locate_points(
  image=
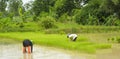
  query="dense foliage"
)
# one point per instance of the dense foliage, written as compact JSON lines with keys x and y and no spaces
{"x":15,"y":15}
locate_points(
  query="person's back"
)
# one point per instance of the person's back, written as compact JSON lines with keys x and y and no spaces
{"x":27,"y":44}
{"x":73,"y":37}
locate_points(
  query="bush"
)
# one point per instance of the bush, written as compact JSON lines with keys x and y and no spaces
{"x":48,"y":22}
{"x":64,"y":18}
{"x":61,"y":32}
{"x":111,"y":20}
{"x":118,"y":40}
{"x":5,"y":23}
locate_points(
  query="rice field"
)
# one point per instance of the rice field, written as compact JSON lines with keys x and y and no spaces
{"x":88,"y":43}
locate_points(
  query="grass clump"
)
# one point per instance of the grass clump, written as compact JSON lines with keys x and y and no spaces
{"x":118,"y":39}
{"x":103,"y":46}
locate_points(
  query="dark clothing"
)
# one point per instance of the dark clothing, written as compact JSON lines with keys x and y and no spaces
{"x":27,"y":43}
{"x":75,"y":39}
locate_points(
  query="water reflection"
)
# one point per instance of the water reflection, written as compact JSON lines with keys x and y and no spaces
{"x":27,"y":56}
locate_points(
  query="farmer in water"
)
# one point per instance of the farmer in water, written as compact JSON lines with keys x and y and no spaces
{"x":73,"y":37}
{"x":27,"y":46}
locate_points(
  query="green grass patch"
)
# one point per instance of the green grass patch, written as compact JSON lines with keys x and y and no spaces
{"x":103,"y":46}
{"x":57,"y":40}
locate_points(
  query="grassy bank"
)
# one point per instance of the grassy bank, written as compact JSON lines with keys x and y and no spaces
{"x":83,"y":43}
{"x":7,"y":41}
{"x":61,"y":28}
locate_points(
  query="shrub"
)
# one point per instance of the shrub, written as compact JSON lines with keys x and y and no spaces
{"x":64,"y":18}
{"x":118,"y":40}
{"x":61,"y":32}
{"x":48,"y":22}
{"x":5,"y":23}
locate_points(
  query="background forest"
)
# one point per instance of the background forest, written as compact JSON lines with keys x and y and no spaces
{"x":60,"y":16}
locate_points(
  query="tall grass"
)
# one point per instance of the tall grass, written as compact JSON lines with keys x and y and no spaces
{"x":56,"y":40}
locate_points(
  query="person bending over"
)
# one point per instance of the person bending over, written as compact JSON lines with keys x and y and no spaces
{"x":27,"y":46}
{"x":72,"y":37}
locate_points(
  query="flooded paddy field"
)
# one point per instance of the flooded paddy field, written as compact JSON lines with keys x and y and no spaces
{"x":14,"y":51}
{"x":113,"y":53}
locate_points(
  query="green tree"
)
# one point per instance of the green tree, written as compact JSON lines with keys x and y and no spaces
{"x":14,"y":6}
{"x":40,"y":6}
{"x":116,"y":7}
{"x":80,"y":3}
{"x":64,"y":6}
{"x":99,"y":9}
{"x":28,"y":7}
{"x":3,"y":5}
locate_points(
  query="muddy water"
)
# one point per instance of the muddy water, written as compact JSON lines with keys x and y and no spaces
{"x":113,"y":53}
{"x":13,"y":51}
